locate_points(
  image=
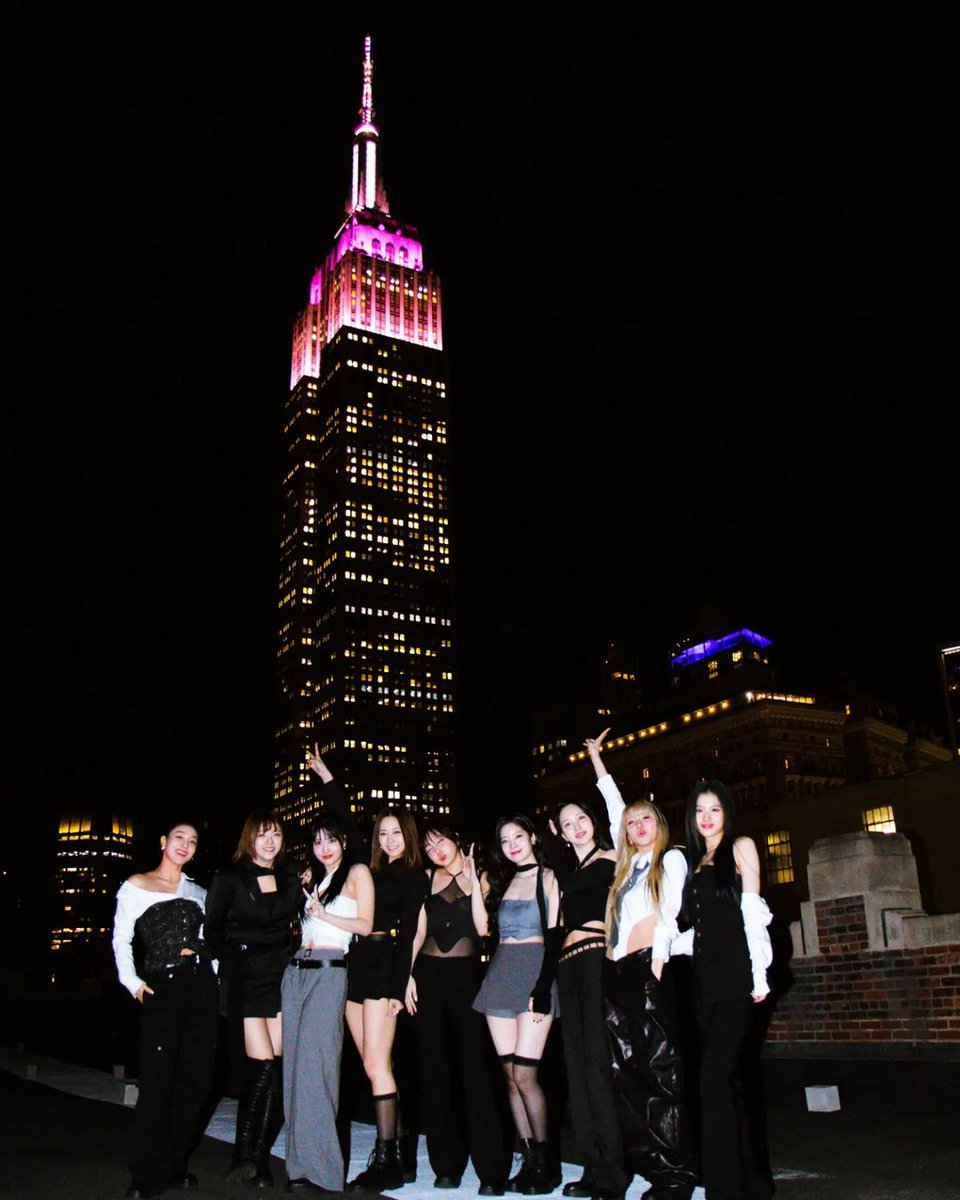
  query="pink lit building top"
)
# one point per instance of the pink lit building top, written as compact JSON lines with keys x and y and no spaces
{"x":373,"y":279}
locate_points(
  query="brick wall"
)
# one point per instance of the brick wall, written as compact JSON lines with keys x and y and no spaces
{"x":847,"y":996}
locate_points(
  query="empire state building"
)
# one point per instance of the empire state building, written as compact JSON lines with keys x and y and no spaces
{"x":365,"y":649}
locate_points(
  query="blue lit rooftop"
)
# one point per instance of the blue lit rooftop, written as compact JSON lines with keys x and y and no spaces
{"x":703,"y":650}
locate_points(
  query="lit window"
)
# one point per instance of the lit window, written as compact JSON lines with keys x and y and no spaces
{"x":879,"y":820}
{"x":778,"y":856}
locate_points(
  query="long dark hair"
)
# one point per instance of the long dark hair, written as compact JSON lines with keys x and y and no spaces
{"x":330,"y":824}
{"x":501,"y":870}
{"x":411,"y":840}
{"x":601,"y":825}
{"x":724,"y":867}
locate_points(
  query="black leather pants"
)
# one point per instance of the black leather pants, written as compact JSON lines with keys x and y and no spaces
{"x":648,"y":1075}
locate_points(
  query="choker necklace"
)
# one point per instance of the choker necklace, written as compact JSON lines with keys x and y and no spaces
{"x":527,"y":867}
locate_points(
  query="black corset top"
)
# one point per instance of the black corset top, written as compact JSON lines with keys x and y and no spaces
{"x":449,"y":917}
{"x":166,"y":928}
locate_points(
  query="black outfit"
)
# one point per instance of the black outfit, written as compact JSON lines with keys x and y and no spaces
{"x":178,"y":1039}
{"x":379,"y":967}
{"x":731,"y":1163}
{"x":593,"y":1115}
{"x":648,"y":1074}
{"x":458,"y":1096}
{"x":249,"y":931}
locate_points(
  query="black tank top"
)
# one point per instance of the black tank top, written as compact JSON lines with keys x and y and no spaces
{"x":721,"y":961}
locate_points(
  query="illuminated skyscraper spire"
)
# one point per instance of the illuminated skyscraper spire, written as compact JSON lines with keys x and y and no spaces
{"x":366,"y":191}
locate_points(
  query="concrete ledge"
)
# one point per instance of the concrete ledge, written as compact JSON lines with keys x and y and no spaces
{"x":857,"y":864}
{"x":922,"y":930}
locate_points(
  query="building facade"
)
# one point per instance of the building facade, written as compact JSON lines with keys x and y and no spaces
{"x":365,"y":648}
{"x":798,"y":768}
{"x":93,"y":857}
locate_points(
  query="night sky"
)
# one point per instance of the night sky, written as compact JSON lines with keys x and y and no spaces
{"x":698,"y":272}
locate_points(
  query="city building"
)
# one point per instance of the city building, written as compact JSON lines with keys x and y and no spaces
{"x":366,"y":641}
{"x":790,"y":760}
{"x":949,"y":656}
{"x":94,"y":854}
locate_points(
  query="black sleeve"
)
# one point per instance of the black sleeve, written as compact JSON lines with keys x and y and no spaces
{"x":335,"y":799}
{"x":414,"y":894}
{"x":552,"y":942}
{"x":219,"y":899}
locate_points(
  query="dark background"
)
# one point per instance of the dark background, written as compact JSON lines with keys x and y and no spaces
{"x":698,"y":275}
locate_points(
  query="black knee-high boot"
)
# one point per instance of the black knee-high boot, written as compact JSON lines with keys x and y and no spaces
{"x":242,"y":1161}
{"x":267,"y":1124}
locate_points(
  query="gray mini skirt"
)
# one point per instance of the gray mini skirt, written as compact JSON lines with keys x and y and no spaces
{"x":510,"y":978}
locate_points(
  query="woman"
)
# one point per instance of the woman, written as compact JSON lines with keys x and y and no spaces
{"x":519,"y":899}
{"x":585,"y":885}
{"x":250,"y":910}
{"x":177,"y":989}
{"x":378,"y":972}
{"x":639,"y":1007}
{"x":339,"y":907}
{"x":731,"y":953}
{"x":441,"y":989}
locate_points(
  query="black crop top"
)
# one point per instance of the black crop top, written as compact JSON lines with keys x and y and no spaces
{"x":585,"y":894}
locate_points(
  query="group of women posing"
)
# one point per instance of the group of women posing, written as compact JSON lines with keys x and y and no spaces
{"x":588,"y":936}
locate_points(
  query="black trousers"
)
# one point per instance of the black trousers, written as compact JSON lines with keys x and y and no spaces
{"x":460,"y":1102}
{"x":593,"y":1114}
{"x":733,"y":1166}
{"x":178,"y":1044}
{"x":648,"y":1075}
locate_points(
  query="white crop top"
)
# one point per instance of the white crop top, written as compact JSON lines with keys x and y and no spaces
{"x":315,"y":931}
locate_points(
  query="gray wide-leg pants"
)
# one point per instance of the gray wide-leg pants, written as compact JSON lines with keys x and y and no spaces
{"x":313,"y":1003}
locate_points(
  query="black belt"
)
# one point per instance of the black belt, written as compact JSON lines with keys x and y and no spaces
{"x":185,"y":960}
{"x":378,"y":937}
{"x":312,"y":964}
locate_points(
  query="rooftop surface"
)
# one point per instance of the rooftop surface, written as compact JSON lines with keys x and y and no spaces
{"x":895,"y":1137}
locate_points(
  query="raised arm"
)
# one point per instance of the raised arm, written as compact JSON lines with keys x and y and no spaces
{"x":335,"y":799}
{"x":606,"y":784}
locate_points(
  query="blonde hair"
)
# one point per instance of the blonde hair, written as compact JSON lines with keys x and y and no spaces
{"x":626,"y":850}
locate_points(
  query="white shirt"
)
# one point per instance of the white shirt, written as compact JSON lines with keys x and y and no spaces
{"x":132,"y":903}
{"x":638,"y":906}
{"x":614,"y":802}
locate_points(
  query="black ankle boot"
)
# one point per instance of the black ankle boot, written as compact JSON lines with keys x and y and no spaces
{"x":545,"y":1175}
{"x":383,"y":1171}
{"x":519,"y":1181}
